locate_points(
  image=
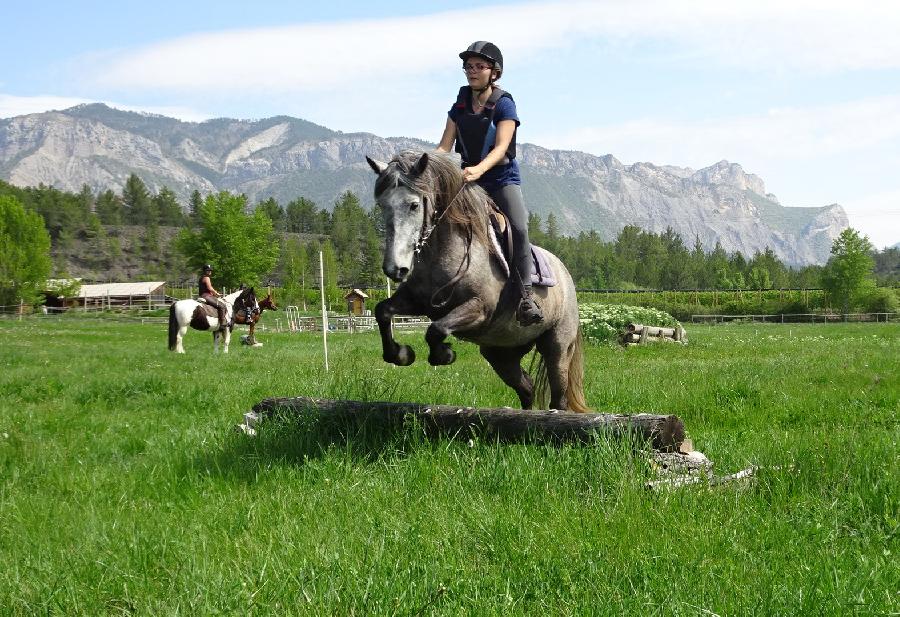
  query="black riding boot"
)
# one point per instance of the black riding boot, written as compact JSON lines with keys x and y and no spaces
{"x":222,"y":324}
{"x":529,"y":311}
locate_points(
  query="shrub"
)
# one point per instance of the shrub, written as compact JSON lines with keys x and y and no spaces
{"x":881,"y":300}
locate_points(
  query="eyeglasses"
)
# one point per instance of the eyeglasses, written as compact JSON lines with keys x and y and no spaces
{"x":476,"y":68}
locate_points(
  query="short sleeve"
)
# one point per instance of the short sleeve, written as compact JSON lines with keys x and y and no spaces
{"x":506,"y":110}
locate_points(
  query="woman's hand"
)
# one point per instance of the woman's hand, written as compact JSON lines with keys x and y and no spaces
{"x":471,"y":174}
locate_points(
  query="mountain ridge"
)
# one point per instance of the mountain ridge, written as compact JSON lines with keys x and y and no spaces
{"x":286,"y":157}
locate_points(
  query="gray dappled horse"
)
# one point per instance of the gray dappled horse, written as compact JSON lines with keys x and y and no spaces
{"x":437,"y":245}
{"x":202,"y":316}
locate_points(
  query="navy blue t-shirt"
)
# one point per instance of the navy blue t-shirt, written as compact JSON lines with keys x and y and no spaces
{"x":499,"y":175}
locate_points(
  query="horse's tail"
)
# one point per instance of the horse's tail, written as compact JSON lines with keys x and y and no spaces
{"x":173,"y":328}
{"x":575,"y":385}
{"x":575,"y":391}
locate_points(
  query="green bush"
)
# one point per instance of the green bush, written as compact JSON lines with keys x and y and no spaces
{"x":881,"y":300}
{"x":605,"y":323}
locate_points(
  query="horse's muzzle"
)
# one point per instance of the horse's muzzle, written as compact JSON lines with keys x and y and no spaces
{"x":396,"y":274}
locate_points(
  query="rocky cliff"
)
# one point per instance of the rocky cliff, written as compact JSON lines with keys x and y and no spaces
{"x":287,"y":157}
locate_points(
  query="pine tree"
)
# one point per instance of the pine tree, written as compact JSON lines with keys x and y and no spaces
{"x":194,"y":205}
{"x":168,"y":209}
{"x":138,"y":205}
{"x":109,"y":208}
{"x":271,"y":208}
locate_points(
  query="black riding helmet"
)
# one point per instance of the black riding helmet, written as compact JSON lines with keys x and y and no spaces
{"x":207,"y":268}
{"x":486,"y":50}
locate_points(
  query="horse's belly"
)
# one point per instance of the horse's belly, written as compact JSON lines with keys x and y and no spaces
{"x":199,"y":320}
{"x":506,"y":334}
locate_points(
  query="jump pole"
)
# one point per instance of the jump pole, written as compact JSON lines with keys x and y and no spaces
{"x":324,"y":313}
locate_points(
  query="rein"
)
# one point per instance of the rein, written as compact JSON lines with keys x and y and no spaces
{"x":428,"y":229}
{"x":463,"y":265}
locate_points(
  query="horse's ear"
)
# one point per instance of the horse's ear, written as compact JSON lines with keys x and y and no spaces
{"x":377,"y":166}
{"x":420,"y":165}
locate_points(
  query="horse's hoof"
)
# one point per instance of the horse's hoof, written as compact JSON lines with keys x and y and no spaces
{"x":442,"y":356}
{"x":405,"y":356}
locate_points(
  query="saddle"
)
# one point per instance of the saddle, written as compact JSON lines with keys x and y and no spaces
{"x":541,"y":272}
{"x":206,"y":310}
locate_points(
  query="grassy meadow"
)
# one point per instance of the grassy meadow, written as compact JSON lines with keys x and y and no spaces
{"x":124,"y":488}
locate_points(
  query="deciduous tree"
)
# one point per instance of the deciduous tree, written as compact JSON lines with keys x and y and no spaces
{"x":24,"y":253}
{"x":848,"y":273}
{"x":242,"y":247}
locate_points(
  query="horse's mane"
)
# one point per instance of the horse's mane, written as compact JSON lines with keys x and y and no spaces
{"x":233,"y":296}
{"x":442,"y":183}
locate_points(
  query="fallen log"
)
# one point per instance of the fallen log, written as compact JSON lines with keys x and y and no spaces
{"x":663,"y":432}
{"x":651,"y":330}
{"x":639,"y":333}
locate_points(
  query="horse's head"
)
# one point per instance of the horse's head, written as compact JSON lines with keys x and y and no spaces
{"x":247,"y":299}
{"x":405,"y":208}
{"x":268,"y":303}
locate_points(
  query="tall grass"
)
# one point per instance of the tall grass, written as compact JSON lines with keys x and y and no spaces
{"x":125,"y":490}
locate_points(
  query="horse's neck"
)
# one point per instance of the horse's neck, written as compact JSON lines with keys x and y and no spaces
{"x":232,"y":298}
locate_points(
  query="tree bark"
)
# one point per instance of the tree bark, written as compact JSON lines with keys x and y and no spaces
{"x":505,"y":424}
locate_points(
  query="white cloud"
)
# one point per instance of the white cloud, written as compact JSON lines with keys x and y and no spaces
{"x":785,"y":134}
{"x":833,"y":151}
{"x":820,"y":35}
{"x":11,"y":106}
{"x":877,"y":216}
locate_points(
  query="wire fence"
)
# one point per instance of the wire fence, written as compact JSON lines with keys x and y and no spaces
{"x":798,"y":318}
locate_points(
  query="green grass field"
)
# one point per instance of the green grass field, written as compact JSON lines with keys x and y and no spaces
{"x":124,"y":488}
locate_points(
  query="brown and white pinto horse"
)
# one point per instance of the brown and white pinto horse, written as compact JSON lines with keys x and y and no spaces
{"x":202,"y":316}
{"x":267,"y":303}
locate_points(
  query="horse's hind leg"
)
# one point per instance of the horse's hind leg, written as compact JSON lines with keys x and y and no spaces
{"x":507,"y":363}
{"x":556,"y":352}
{"x":468,"y":315}
{"x":179,"y":337}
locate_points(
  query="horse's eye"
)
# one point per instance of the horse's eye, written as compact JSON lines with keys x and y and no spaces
{"x":413,"y":206}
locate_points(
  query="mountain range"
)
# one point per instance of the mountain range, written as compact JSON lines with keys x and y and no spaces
{"x":286,"y":158}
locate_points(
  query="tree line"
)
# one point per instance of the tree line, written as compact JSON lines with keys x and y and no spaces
{"x":215,"y":228}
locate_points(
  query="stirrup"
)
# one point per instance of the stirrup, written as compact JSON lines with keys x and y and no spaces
{"x":529,"y":311}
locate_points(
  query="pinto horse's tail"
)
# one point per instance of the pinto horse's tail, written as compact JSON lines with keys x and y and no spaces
{"x":173,"y":328}
{"x":575,"y":384}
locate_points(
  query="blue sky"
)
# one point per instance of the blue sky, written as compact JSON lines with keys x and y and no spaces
{"x":805,"y":94}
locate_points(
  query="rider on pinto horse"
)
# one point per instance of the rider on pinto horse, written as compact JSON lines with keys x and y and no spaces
{"x":212,"y":297}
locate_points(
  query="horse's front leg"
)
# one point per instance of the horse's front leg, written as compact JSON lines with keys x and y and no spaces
{"x":470,"y":314}
{"x":226,"y":338}
{"x":399,"y":304}
{"x":215,"y":341}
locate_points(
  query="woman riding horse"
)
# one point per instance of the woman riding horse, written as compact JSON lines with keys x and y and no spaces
{"x":212,"y":297}
{"x":439,"y":247}
{"x":483,"y":123}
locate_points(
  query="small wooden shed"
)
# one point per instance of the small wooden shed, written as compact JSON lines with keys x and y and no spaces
{"x":356,"y":302}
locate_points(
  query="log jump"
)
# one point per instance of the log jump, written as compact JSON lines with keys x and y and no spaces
{"x":663,"y":432}
{"x":636,"y":334}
